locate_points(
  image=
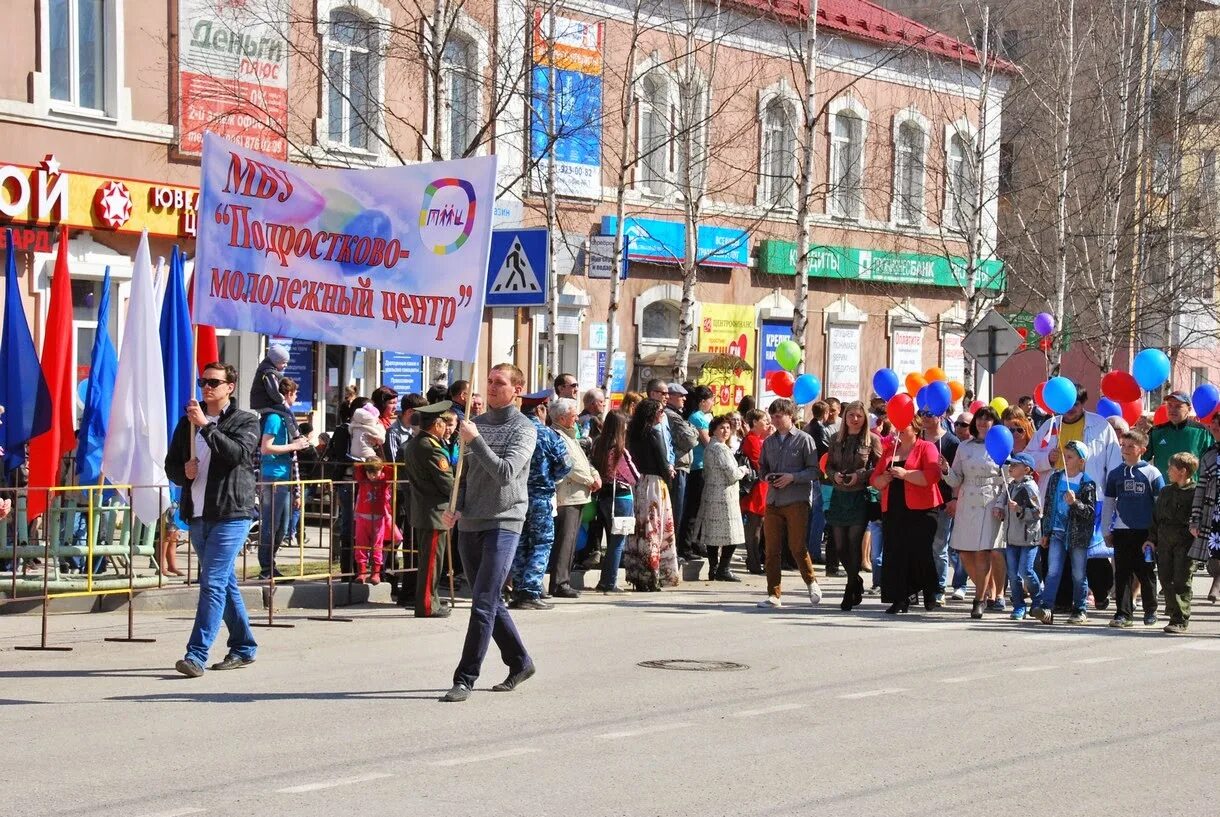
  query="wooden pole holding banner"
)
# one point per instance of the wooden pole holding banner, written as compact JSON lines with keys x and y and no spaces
{"x":457,"y":471}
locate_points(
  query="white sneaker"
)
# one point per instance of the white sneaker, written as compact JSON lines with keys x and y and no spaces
{"x":771,"y":601}
{"x":815,"y":593}
{"x":959,"y":594}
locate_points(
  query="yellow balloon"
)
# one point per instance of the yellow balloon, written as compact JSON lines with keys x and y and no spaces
{"x":999,"y":404}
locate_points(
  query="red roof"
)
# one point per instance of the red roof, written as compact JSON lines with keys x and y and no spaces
{"x":865,"y":20}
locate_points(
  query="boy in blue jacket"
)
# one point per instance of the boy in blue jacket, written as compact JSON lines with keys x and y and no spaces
{"x":1126,"y":515}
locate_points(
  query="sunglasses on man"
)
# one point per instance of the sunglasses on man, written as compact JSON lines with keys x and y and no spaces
{"x":210,"y":383}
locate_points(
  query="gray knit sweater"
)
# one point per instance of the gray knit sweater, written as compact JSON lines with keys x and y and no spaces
{"x":493,"y":493}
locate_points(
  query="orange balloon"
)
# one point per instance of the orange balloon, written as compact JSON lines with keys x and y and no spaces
{"x":934,"y":374}
{"x":957,"y":390}
{"x":915,"y":382}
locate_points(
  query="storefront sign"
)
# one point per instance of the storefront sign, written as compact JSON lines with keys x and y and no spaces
{"x":618,"y":375}
{"x":727,"y":329}
{"x":403,"y":372}
{"x":50,"y":196}
{"x":952,"y":358}
{"x":664,"y":242}
{"x":773,"y":334}
{"x":571,"y":51}
{"x":27,"y":239}
{"x":589,"y":372}
{"x":917,"y":269}
{"x":906,"y":350}
{"x":843,"y":361}
{"x":233,"y":73}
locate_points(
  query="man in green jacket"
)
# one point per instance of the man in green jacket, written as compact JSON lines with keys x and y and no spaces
{"x":1181,"y":435}
{"x":431,"y":481}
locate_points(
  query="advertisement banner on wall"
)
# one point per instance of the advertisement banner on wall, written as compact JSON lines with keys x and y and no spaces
{"x":404,"y":372}
{"x":953,"y":359}
{"x":906,"y":350}
{"x":773,"y":333}
{"x":727,"y":329}
{"x":233,"y":74}
{"x":391,"y":258}
{"x":570,"y":51}
{"x":300,"y":368}
{"x":843,"y":361}
{"x":778,"y":257}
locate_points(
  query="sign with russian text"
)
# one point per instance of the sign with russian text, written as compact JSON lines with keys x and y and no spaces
{"x":233,"y":73}
{"x":843,"y":361}
{"x":403,"y":372}
{"x":727,"y":329}
{"x":779,"y":258}
{"x":570,"y":52}
{"x":773,"y":333}
{"x":391,"y":258}
{"x":664,"y":242}
{"x":906,"y":350}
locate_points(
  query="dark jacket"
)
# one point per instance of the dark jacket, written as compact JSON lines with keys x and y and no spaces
{"x":1081,"y":516}
{"x":427,"y":467}
{"x":230,"y":491}
{"x":852,"y":456}
{"x":1170,"y":526}
{"x":649,"y":453}
{"x":820,"y":436}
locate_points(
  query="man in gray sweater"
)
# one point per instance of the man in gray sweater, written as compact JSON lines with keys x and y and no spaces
{"x":492,"y":500}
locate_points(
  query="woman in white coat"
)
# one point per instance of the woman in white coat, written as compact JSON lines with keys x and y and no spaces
{"x":719,"y":526}
{"x":977,"y":481}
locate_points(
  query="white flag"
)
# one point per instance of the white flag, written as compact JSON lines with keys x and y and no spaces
{"x":136,"y":442}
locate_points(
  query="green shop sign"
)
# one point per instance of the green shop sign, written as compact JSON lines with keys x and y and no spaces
{"x":779,"y":258}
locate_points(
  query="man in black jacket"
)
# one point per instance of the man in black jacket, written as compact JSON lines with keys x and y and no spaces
{"x":216,"y":472}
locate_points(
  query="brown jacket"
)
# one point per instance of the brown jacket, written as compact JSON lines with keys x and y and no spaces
{"x":850,"y":456}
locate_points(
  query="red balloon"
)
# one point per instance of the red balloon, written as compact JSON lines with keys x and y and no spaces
{"x":900,"y":410}
{"x":1161,"y":415}
{"x":976,"y":405}
{"x":1120,"y":387}
{"x":1038,"y":398}
{"x":1132,"y":410}
{"x":822,"y":462}
{"x":781,"y":383}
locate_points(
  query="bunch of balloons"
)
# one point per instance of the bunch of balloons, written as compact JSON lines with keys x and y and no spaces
{"x":930,"y":391}
{"x":803,"y":389}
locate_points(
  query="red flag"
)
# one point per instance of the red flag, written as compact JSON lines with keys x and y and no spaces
{"x":47,"y":450}
{"x":207,"y":350}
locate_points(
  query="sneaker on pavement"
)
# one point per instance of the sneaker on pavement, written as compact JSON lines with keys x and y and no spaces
{"x":771,"y":601}
{"x":1149,"y":619}
{"x":1121,"y":622}
{"x":1078,"y":617}
{"x":959,"y":594}
{"x":940,"y":597}
{"x":1176,"y":628}
{"x":1018,"y":614}
{"x":188,"y":668}
{"x":514,"y":679}
{"x":459,"y":692}
{"x":815,"y":593}
{"x":233,"y":662}
{"x":1043,"y":615}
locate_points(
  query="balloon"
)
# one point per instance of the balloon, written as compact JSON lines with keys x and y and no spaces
{"x":806,"y":389}
{"x":975,"y":406}
{"x":821,"y":463}
{"x":1151,"y":368}
{"x":1108,"y":408}
{"x":915,"y":381}
{"x":1161,"y":415}
{"x":788,"y":355}
{"x":956,"y":390}
{"x":921,"y":399}
{"x":934,"y":374}
{"x":781,"y":383}
{"x":1132,"y":411}
{"x":901,"y":410}
{"x":998,"y":443}
{"x":938,"y":397}
{"x":1038,"y":401}
{"x":999,"y":404}
{"x":885,"y":383}
{"x":1060,"y":394}
{"x":1120,"y":387}
{"x":1044,"y":323}
{"x":1205,"y":399}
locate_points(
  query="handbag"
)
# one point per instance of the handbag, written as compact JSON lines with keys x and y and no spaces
{"x":621,"y":525}
{"x":746,"y":484}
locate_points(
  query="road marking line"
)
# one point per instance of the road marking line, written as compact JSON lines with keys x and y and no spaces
{"x":750,"y":713}
{"x":178,"y":812}
{"x":331,"y":784}
{"x":1040,"y":668}
{"x":962,"y":679}
{"x":872,"y":693}
{"x":632,"y":733}
{"x":1166,"y":650}
{"x":459,"y":761}
{"x":1105,"y":659}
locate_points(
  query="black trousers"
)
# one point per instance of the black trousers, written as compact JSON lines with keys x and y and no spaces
{"x":1129,"y":563}
{"x":691,"y":501}
{"x":567,"y":525}
{"x":907,"y":565}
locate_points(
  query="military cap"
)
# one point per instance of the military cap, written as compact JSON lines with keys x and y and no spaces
{"x":435,"y":409}
{"x":529,"y":401}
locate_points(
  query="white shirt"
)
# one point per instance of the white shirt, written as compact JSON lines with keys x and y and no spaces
{"x":203,"y":453}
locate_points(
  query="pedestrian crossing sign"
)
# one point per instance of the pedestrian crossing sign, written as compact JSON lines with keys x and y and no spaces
{"x":517,"y":268}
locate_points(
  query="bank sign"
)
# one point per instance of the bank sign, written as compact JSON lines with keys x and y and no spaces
{"x":779,"y":258}
{"x":664,"y":242}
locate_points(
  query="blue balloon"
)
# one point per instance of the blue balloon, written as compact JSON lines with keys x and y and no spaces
{"x":999,"y":442}
{"x":885,"y":383}
{"x":939,"y":397}
{"x":1150,"y":368}
{"x":921,"y":399}
{"x":1108,"y":408}
{"x":1205,"y":399}
{"x":806,"y":389}
{"x":1059,"y":394}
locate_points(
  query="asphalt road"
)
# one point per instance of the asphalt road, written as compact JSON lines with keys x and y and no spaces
{"x":833,"y":713}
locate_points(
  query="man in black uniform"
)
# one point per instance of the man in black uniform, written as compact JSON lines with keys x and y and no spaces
{"x":427,"y":467}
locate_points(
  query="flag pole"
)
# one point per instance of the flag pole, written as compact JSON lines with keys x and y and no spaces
{"x":457,"y":472}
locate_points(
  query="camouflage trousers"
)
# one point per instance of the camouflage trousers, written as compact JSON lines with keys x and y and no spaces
{"x":534,"y":550}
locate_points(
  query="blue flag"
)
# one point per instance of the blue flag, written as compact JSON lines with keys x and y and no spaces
{"x":103,"y":365}
{"x":23,"y":389}
{"x":177,"y":346}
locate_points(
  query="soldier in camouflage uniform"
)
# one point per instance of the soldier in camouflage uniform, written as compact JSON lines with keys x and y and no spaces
{"x":550,"y":463}
{"x":427,"y":466}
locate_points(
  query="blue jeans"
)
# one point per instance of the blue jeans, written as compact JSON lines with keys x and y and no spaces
{"x":1057,"y":557}
{"x":940,"y":548}
{"x":275,"y":505}
{"x":487,"y":556}
{"x":817,"y":524}
{"x":294,"y":519}
{"x":876,"y":545}
{"x":217,"y":545}
{"x":624,"y":505}
{"x":1022,"y":578}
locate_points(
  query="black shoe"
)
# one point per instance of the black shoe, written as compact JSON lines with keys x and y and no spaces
{"x":566,"y":591}
{"x":528,"y":603}
{"x":725,"y":576}
{"x":756,"y":571}
{"x":976,"y":609}
{"x":834,"y":571}
{"x":894,"y":609}
{"x":591,"y":562}
{"x":514,"y":680}
{"x":459,"y":693}
{"x":847,"y":604}
{"x":233,"y":662}
{"x":189,"y":668}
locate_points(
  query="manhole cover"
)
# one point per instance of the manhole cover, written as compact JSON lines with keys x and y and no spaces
{"x":686,"y":665}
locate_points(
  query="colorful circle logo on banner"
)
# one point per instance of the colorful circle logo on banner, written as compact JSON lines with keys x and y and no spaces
{"x":1151,"y":368}
{"x":1060,"y":394}
{"x":446,"y":217}
{"x":885,"y":383}
{"x":1120,"y":387}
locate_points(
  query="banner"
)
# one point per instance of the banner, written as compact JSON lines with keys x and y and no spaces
{"x":572,"y":49}
{"x":727,"y":329}
{"x":233,"y":73}
{"x":773,"y":334}
{"x":778,"y":257}
{"x":843,"y":361}
{"x":392,"y":258}
{"x":906,"y":350}
{"x":403,"y":372}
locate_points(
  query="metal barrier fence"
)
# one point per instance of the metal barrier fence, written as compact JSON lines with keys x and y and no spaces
{"x":88,"y":540}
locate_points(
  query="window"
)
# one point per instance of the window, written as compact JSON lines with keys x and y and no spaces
{"x":908,"y":174}
{"x":353,"y":80}
{"x":654,"y":140}
{"x":1162,"y":161}
{"x":1208,"y":175}
{"x":847,"y":165}
{"x":660,"y":321}
{"x":961,"y":184}
{"x":1168,"y":50}
{"x":459,"y":65}
{"x":1197,"y":268}
{"x":778,"y":154}
{"x":1211,"y":56}
{"x":692,"y":126}
{"x":78,"y":34}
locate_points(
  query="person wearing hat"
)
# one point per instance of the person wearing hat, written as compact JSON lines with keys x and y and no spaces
{"x":1020,"y":507}
{"x":683,"y":438}
{"x":549,"y":464}
{"x":1069,"y":530}
{"x":1178,"y":435}
{"x":265,"y":393}
{"x":426,"y":465}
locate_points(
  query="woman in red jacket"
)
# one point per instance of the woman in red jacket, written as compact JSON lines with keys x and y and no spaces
{"x":754,"y":504}
{"x":908,"y":477}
